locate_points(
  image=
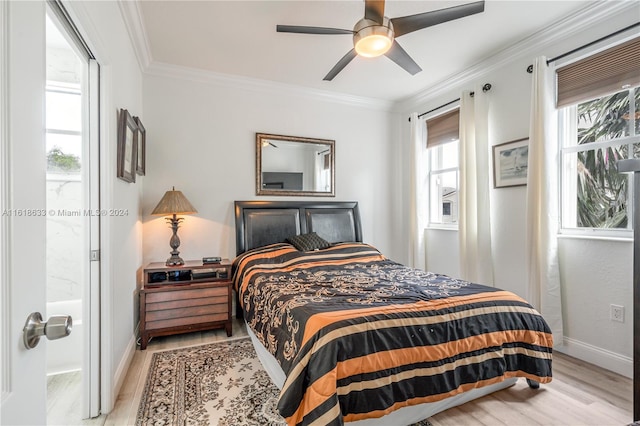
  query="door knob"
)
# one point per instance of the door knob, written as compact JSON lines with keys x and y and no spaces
{"x":58,"y":326}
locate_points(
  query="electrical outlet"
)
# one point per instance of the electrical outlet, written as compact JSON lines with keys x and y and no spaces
{"x":616,"y":313}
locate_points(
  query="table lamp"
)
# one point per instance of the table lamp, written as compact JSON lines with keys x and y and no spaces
{"x":174,"y":203}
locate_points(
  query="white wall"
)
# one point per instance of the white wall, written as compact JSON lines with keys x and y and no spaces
{"x":102,"y":26}
{"x":443,"y":252}
{"x":201,"y":139}
{"x":594,"y":273}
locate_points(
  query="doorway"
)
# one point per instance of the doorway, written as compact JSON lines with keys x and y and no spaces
{"x":72,"y":206}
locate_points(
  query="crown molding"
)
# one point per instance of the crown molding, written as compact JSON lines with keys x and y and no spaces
{"x":589,"y":16}
{"x":130,"y":11}
{"x":162,"y":69}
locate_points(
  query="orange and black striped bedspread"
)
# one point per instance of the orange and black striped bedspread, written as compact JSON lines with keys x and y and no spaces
{"x":359,"y":336}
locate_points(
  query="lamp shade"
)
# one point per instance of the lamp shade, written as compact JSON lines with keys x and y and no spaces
{"x":173,"y":202}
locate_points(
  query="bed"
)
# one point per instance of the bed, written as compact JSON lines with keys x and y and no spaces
{"x":349,"y":335}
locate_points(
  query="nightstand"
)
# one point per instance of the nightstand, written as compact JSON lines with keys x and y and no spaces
{"x":185,"y":298}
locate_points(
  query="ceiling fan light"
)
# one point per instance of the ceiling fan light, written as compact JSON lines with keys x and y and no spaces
{"x":371,"y":39}
{"x":373,"y":45}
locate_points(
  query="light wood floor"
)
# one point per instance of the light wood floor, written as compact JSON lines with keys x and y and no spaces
{"x":580,"y":393}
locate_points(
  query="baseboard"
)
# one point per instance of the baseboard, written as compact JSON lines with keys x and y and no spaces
{"x":612,"y":361}
{"x":123,"y":367}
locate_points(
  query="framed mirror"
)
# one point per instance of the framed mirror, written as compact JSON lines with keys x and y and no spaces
{"x":291,"y":165}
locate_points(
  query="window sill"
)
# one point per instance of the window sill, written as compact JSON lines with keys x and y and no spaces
{"x":441,"y":228}
{"x":620,"y":239}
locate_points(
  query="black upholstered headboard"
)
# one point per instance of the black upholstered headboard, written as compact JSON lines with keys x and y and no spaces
{"x":259,"y":223}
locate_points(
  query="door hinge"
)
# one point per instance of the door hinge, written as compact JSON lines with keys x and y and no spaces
{"x":95,"y":255}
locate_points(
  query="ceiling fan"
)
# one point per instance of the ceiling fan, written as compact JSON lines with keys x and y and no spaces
{"x":375,"y":34}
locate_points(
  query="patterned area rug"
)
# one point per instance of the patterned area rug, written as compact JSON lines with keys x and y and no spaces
{"x":216,"y":384}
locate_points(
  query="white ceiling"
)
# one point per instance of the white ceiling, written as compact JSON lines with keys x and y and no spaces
{"x":239,"y":38}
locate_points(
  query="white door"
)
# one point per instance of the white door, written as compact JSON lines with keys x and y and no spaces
{"x":22,"y":257}
{"x":72,"y":190}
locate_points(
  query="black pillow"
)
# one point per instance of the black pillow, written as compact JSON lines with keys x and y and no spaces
{"x":308,"y":242}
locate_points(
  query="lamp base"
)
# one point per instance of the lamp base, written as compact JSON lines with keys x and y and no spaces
{"x":174,"y":261}
{"x":174,"y":242}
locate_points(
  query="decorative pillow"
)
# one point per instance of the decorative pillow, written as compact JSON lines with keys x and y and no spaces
{"x":308,"y":242}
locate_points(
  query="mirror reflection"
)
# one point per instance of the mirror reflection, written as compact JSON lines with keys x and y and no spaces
{"x":290,"y":165}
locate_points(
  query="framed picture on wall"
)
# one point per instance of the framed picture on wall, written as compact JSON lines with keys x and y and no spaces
{"x":510,"y":163}
{"x":142,"y":147}
{"x":127,"y":147}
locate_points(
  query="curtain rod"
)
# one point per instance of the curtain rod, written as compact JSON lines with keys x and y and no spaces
{"x":584,"y":46}
{"x":485,"y":88}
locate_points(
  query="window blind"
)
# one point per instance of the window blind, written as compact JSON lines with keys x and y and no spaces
{"x":601,"y":74}
{"x":443,"y":128}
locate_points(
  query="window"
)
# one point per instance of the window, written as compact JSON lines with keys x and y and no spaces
{"x":63,"y":132}
{"x":595,"y":135}
{"x":443,"y":184}
{"x":442,"y":149}
{"x":600,"y":125}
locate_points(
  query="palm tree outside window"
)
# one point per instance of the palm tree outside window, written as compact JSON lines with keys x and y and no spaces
{"x":595,"y":135}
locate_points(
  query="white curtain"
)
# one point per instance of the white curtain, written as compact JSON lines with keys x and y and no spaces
{"x":543,"y":290}
{"x":474,"y":227}
{"x":419,"y":193}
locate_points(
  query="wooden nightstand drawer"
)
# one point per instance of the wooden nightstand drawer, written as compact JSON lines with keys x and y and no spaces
{"x":191,"y":311}
{"x":188,"y":305}
{"x":185,"y":303}
{"x":187,"y":294}
{"x":187,"y":321}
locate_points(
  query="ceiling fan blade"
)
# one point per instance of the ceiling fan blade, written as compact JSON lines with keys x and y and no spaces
{"x":407,"y":24}
{"x":310,"y":30}
{"x":398,"y":55}
{"x":374,"y":10}
{"x":341,"y":64}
